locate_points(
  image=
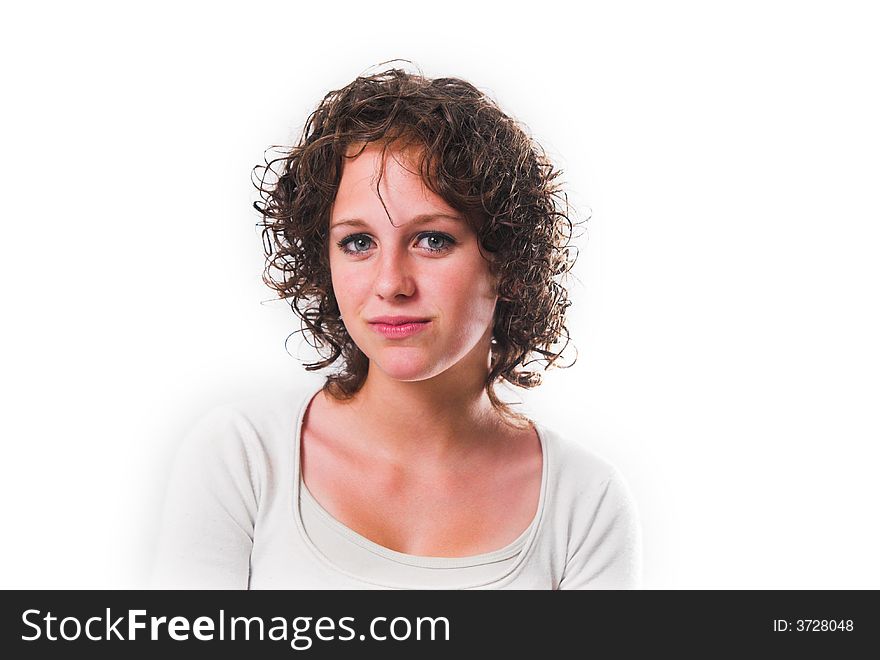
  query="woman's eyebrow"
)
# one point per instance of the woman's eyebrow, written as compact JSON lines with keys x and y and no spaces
{"x":417,"y":220}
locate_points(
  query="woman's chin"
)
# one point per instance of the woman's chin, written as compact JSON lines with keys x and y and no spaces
{"x":407,"y":369}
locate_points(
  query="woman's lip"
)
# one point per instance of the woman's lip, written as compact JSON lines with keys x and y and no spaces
{"x":397,"y":320}
{"x":401,"y":330}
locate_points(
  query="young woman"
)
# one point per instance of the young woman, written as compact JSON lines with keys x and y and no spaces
{"x":420,"y":236}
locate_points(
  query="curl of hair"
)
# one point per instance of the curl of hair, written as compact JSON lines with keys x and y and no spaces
{"x":480,"y":161}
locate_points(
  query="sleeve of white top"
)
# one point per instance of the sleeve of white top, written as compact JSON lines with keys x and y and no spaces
{"x":207,"y":528}
{"x":608,"y":554}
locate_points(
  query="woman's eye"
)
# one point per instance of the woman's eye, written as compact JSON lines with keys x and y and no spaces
{"x":436,"y":242}
{"x":356,"y":243}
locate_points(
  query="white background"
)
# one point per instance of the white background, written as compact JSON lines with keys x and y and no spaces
{"x":726,"y":315}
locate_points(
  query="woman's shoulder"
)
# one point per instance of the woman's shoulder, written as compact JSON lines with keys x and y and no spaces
{"x":581,"y":479}
{"x":594,"y":505}
{"x":260,"y":422}
{"x":572,"y":461}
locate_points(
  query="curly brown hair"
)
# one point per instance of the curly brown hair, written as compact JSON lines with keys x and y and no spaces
{"x":480,"y":161}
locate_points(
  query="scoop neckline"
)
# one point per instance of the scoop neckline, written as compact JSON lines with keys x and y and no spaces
{"x":526,"y":539}
{"x":423,"y":561}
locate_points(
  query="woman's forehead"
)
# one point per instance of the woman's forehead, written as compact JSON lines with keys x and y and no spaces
{"x":381,"y":152}
{"x":380,"y":178}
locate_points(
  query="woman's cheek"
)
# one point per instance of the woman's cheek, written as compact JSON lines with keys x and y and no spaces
{"x":346,"y":286}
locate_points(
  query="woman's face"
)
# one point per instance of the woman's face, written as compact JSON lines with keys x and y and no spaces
{"x":425,"y":268}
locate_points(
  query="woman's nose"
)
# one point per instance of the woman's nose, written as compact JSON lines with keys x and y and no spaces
{"x":395,"y":277}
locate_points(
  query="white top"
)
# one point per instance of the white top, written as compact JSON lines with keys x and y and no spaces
{"x":238,"y":515}
{"x":348,"y":550}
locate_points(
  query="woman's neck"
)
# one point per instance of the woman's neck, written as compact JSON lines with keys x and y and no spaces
{"x":435,"y":420}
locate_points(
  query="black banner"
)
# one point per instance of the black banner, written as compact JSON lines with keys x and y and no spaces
{"x":402,"y":623}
